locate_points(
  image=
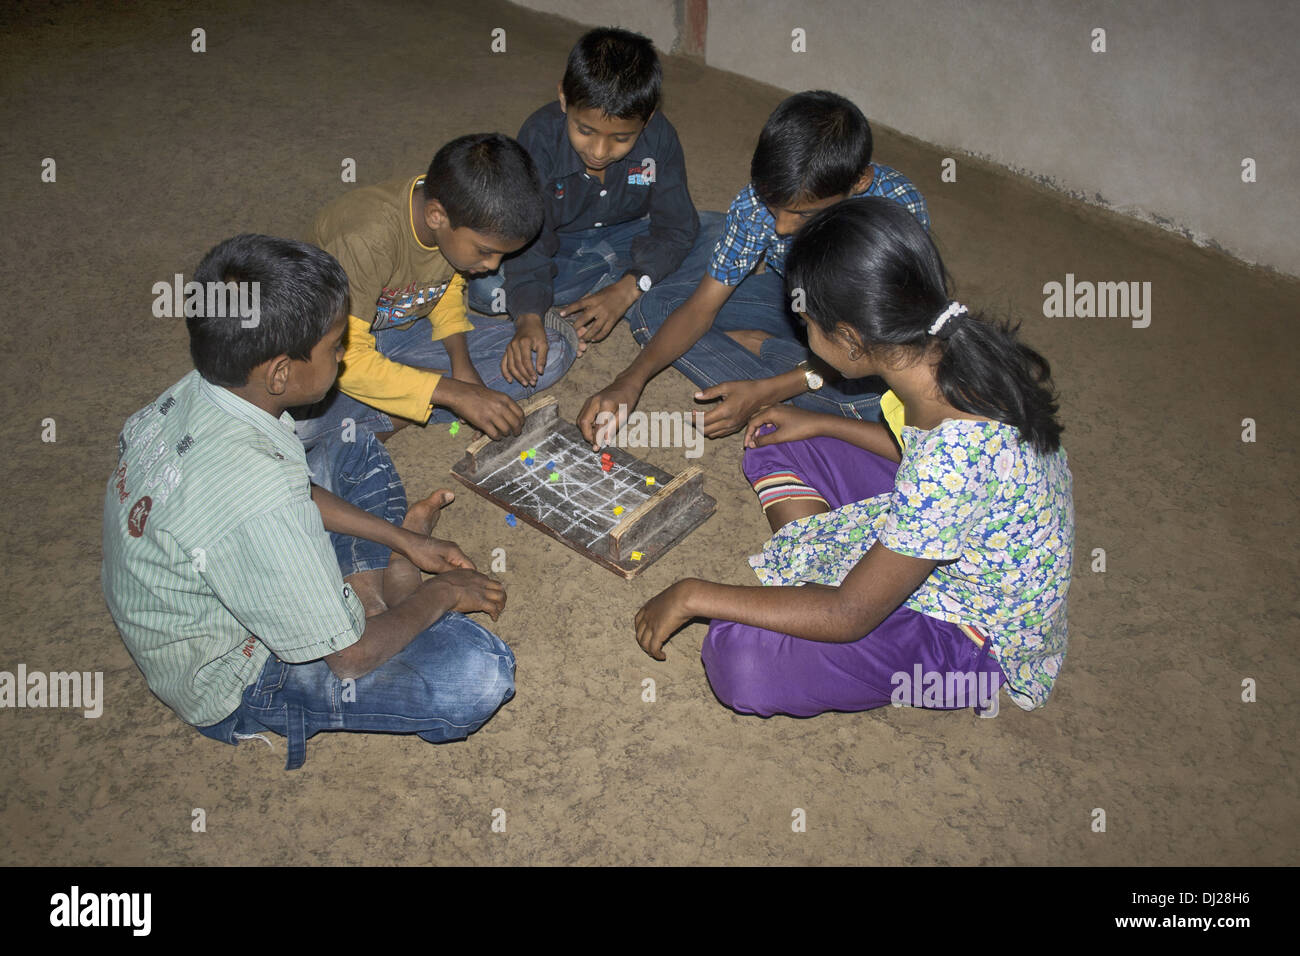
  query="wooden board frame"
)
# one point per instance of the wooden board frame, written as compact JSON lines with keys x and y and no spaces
{"x":653,"y":528}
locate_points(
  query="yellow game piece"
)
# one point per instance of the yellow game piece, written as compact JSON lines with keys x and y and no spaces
{"x":637,"y":555}
{"x":523,"y":456}
{"x":618,"y":509}
{"x":650,"y":481}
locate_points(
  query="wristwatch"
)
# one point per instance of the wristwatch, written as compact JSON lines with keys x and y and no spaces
{"x":643,"y":281}
{"x":811,"y":378}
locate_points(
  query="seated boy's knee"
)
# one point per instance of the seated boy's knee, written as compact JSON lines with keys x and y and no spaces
{"x":483,"y":666}
{"x":651,"y":311}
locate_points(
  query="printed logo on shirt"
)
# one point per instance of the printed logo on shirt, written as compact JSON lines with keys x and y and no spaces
{"x":559,"y":190}
{"x":640,"y":175}
{"x":399,"y":306}
{"x":119,"y":482}
{"x":138,"y":516}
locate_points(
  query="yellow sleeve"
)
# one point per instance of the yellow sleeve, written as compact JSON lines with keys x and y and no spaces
{"x":891,"y":410}
{"x":378,"y":381}
{"x":448,"y":316}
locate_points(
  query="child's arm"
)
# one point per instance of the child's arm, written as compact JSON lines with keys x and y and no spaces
{"x":389,"y":632}
{"x":872,"y":591}
{"x":427,"y":553}
{"x":789,"y":423}
{"x":462,"y":368}
{"x":680,"y":331}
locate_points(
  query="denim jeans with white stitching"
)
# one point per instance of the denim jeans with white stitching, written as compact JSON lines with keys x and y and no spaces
{"x":759,"y":303}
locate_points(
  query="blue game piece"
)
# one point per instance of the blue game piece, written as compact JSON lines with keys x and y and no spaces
{"x":511,"y":520}
{"x":550,"y":465}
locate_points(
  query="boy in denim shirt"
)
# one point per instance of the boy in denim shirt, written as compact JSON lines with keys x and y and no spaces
{"x":619,"y":217}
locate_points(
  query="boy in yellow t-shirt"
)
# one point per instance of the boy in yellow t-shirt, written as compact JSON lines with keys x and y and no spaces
{"x":407,"y":246}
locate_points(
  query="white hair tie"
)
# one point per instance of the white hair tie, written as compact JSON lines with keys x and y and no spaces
{"x":954,"y":309}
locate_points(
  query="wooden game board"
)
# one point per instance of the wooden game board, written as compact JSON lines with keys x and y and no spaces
{"x":578,"y":509}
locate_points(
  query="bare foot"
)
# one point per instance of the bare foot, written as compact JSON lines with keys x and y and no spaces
{"x":751,"y":339}
{"x":423,"y":515}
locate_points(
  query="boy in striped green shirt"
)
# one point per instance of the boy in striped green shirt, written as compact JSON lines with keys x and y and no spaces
{"x":244,"y":614}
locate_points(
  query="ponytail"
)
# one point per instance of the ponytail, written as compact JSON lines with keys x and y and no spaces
{"x":868,"y":264}
{"x":986,"y":370}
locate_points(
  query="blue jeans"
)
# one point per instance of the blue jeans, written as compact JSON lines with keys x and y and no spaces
{"x":362,"y":473}
{"x":759,"y":302}
{"x":443,"y":685}
{"x":585,"y":262}
{"x":414,"y":346}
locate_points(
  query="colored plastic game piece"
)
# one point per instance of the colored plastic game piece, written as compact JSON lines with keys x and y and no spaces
{"x":637,"y":555}
{"x":511,"y":520}
{"x":523,"y":456}
{"x":550,"y":465}
{"x":605,"y":466}
{"x":532,"y":453}
{"x":555,"y":476}
{"x":455,"y":427}
{"x":650,"y":480}
{"x":618,"y":510}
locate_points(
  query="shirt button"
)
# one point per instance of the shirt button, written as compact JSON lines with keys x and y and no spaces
{"x":600,"y":224}
{"x":603,"y":191}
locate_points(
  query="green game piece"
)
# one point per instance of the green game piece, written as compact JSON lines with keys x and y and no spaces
{"x":455,"y":427}
{"x":555,"y":476}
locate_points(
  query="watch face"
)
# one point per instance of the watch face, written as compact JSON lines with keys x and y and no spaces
{"x":644,"y":283}
{"x":815,"y":381}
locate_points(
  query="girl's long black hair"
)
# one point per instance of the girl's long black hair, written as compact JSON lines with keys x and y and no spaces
{"x":868,"y":264}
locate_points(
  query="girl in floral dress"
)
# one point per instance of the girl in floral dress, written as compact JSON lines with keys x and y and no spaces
{"x":927,"y":566}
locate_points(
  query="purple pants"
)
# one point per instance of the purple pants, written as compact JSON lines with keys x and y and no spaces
{"x":909,"y":659}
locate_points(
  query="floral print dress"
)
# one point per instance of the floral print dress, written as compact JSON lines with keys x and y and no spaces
{"x":998,"y":513}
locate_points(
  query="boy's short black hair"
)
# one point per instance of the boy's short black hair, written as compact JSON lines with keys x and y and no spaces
{"x":815,"y":145}
{"x":300,"y":292}
{"x":488,"y":183}
{"x":614,"y":71}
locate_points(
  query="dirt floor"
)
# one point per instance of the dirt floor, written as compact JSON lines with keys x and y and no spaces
{"x":161,"y":152}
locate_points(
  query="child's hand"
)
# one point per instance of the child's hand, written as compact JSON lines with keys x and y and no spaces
{"x":605,"y":412}
{"x":493,"y":413}
{"x":518,"y":364}
{"x":475,"y":592}
{"x":435,"y":555}
{"x":594,"y":316}
{"x":740,"y":400}
{"x":662,"y":616}
{"x":786,"y":422}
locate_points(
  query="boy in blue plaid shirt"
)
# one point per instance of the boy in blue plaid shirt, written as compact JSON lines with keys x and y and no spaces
{"x":723,"y":319}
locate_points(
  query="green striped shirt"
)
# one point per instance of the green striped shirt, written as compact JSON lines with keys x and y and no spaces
{"x":214,"y":553}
